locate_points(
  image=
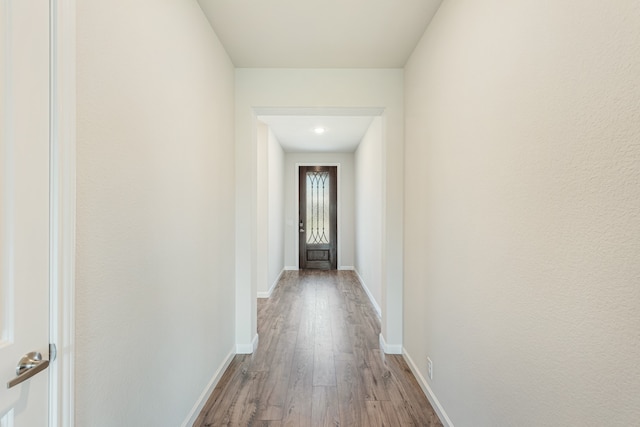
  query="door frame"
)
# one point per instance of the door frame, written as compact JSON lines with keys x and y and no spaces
{"x":338,"y":208}
{"x":332,"y":246}
{"x":62,"y":214}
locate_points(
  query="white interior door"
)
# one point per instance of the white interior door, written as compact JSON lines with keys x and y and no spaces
{"x":24,"y":202}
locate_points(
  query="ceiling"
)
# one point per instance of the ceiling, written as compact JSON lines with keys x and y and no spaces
{"x":297,"y":134}
{"x":319,"y":33}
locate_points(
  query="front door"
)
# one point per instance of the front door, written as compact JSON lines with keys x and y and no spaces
{"x":318,"y":223}
{"x":24,"y":212}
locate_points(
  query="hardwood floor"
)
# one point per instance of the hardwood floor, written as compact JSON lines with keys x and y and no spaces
{"x":318,"y":363}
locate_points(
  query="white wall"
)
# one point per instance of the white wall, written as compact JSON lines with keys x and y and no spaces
{"x":346,"y":207}
{"x":344,"y":88}
{"x":262,"y":209}
{"x":155,"y":218}
{"x":522,"y":238}
{"x":369,"y":193}
{"x":276,"y":228}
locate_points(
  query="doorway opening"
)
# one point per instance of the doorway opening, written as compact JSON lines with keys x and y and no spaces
{"x":285,"y":140}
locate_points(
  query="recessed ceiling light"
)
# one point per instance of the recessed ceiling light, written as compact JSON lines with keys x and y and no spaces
{"x":319,"y":130}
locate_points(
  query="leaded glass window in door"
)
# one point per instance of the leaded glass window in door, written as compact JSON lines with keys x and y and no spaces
{"x":318,"y":220}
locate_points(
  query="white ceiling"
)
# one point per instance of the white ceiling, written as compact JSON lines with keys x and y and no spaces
{"x":296,"y":133}
{"x":319,"y":33}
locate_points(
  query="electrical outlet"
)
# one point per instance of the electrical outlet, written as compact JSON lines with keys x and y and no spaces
{"x":429,"y":368}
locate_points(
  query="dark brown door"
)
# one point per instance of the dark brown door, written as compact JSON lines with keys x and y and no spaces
{"x":318,"y":225}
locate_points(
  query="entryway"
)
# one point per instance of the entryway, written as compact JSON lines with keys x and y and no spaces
{"x":317,"y":217}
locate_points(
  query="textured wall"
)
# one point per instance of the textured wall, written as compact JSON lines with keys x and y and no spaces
{"x":262,"y":208}
{"x":269,"y":209}
{"x":369,"y":184}
{"x":522,"y":215}
{"x":155,"y":216}
{"x":275,"y":166}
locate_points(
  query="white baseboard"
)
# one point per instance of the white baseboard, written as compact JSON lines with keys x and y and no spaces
{"x":273,"y":286}
{"x":371,"y":298}
{"x":346,"y":267}
{"x":247,"y":348}
{"x":389,"y":348}
{"x":444,"y":418}
{"x":197,"y":408}
{"x":291,"y":268}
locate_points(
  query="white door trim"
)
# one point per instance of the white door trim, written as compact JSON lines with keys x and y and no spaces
{"x":63,"y":205}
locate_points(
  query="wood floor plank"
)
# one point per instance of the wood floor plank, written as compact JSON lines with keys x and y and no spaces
{"x":325,"y":410}
{"x":324,"y":372}
{"x":267,"y":423}
{"x":273,"y":387}
{"x":376,"y":415}
{"x":318,"y":363}
{"x":373,"y":377}
{"x":239,"y":405}
{"x":389,"y":409}
{"x":306,"y":328}
{"x":224,"y":394}
{"x":424,"y":415}
{"x":350,"y":393}
{"x":379,"y":363}
{"x":339,"y":334}
{"x":403,"y":413}
{"x":298,"y":407}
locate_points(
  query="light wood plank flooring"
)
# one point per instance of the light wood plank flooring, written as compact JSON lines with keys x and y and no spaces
{"x":318,"y":363}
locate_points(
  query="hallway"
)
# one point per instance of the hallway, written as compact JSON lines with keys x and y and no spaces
{"x":318,"y":363}
{"x":503,"y":185}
